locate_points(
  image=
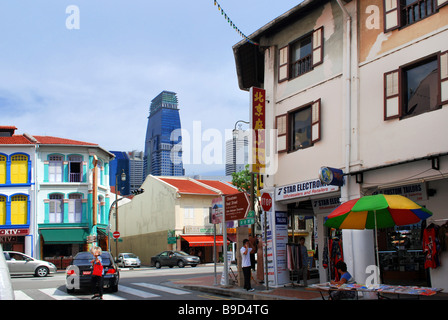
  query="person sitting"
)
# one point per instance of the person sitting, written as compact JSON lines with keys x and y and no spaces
{"x":346,"y":278}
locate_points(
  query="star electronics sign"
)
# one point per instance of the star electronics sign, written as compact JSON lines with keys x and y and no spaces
{"x":303,"y":189}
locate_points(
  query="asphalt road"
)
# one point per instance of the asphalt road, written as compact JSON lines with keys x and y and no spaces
{"x":146,"y":283}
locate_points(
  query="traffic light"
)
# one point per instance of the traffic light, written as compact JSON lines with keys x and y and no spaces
{"x":138,"y":191}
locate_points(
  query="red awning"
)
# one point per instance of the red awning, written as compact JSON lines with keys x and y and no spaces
{"x":204,"y":241}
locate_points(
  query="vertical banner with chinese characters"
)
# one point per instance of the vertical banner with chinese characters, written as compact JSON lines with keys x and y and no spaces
{"x":258,"y":126}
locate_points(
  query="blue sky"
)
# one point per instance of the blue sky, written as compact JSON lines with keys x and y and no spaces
{"x":95,"y":83}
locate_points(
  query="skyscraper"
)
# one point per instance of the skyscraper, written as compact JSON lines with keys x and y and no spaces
{"x":163,"y":151}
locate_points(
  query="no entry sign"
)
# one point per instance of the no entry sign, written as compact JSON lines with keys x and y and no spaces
{"x":116,"y":235}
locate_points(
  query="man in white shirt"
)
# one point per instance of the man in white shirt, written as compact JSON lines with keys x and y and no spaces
{"x":245,"y":264}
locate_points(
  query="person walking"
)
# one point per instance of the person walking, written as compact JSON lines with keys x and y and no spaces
{"x":97,"y":274}
{"x":304,"y":261}
{"x":246,"y":264}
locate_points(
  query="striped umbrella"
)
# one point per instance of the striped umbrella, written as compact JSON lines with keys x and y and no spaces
{"x":375,"y":212}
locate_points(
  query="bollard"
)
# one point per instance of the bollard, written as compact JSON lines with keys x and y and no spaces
{"x":6,"y":291}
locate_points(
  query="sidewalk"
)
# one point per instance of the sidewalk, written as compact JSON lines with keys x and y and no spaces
{"x":207,"y":284}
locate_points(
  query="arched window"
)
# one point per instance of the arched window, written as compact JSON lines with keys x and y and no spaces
{"x":2,"y":169}
{"x":19,"y":168}
{"x":56,"y":211}
{"x":55,"y":166}
{"x":2,"y":210}
{"x":19,"y":209}
{"x":75,"y":208}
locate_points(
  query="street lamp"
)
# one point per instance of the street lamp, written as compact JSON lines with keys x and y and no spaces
{"x":123,"y":178}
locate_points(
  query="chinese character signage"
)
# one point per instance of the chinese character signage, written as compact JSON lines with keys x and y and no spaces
{"x":258,"y":126}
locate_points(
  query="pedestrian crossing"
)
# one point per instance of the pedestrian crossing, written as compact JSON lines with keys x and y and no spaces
{"x":132,"y":291}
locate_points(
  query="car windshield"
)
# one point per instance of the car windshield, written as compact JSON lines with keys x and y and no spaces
{"x":129,"y":255}
{"x":181,"y":253}
{"x":83,"y":258}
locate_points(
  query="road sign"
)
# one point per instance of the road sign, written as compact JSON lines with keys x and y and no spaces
{"x":236,"y":206}
{"x":116,"y":234}
{"x":266,"y":201}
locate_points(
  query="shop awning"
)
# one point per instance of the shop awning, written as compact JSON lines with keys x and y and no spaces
{"x":64,"y":236}
{"x":204,"y":240}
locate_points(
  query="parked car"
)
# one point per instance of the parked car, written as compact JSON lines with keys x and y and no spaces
{"x":20,"y":263}
{"x":79,"y":273}
{"x":174,"y":258}
{"x":128,"y":260}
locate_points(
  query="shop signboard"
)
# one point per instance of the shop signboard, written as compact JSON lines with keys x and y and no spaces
{"x":258,"y":126}
{"x":303,"y":189}
{"x":14,"y":232}
{"x":415,"y":192}
{"x":331,"y":176}
{"x":216,"y":211}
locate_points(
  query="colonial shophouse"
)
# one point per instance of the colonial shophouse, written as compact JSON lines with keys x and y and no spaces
{"x":360,"y":86}
{"x":48,"y":192}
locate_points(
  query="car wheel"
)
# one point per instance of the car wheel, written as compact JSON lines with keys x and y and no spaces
{"x":114,"y":288}
{"x":41,"y":272}
{"x":194,"y":265}
{"x":70,"y":291}
{"x":180,"y":264}
{"x":158,"y":265}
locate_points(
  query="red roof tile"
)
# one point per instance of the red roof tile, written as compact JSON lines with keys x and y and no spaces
{"x":55,"y":140}
{"x":188,"y":186}
{"x":224,"y":187}
{"x":15,"y":139}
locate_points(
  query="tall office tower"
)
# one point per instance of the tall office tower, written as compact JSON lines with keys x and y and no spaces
{"x":136,"y":169}
{"x":237,"y":152}
{"x":163,"y":147}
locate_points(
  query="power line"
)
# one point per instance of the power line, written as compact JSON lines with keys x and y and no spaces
{"x":233,"y":25}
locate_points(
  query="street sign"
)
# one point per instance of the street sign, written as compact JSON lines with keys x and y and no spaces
{"x":236,"y":206}
{"x":266,"y":201}
{"x":249,"y":220}
{"x":116,"y":235}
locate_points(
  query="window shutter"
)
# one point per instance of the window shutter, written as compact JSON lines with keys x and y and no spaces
{"x":315,"y":122}
{"x":444,"y":77}
{"x":281,"y":133}
{"x":392,"y":95}
{"x":391,"y":15}
{"x":283,"y":64}
{"x":441,"y":3}
{"x":318,"y":46}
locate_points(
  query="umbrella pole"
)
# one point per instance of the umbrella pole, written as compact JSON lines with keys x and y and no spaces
{"x":376,"y":249}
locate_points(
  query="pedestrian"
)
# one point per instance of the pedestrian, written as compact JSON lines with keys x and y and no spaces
{"x":346,"y":278}
{"x":97,"y":274}
{"x":245,"y":264}
{"x":253,"y":246}
{"x":304,"y":261}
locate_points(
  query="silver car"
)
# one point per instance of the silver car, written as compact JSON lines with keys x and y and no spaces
{"x":20,"y":263}
{"x":128,"y":260}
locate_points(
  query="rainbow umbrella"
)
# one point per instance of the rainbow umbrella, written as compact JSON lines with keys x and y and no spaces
{"x":377,"y":211}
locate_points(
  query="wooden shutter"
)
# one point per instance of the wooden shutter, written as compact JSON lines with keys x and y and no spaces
{"x":441,"y":3}
{"x":318,"y":46}
{"x":281,"y":126}
{"x":315,"y":121}
{"x":392,"y":107}
{"x":2,"y":169}
{"x":19,"y":210}
{"x":443,"y":60}
{"x":391,"y":15}
{"x":2,"y":210}
{"x":19,"y":169}
{"x":283,"y":64}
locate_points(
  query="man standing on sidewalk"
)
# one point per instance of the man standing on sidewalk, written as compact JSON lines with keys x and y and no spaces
{"x":245,"y":264}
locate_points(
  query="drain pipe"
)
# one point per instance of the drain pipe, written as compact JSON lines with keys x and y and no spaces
{"x":348,"y":92}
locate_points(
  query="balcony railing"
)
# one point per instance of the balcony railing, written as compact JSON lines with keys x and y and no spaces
{"x":301,"y":66}
{"x":417,"y":10}
{"x":75,"y":177}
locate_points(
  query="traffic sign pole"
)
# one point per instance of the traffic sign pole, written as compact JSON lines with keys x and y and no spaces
{"x":224,"y":241}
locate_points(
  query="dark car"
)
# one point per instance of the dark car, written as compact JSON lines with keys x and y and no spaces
{"x":174,"y":258}
{"x":79,"y":273}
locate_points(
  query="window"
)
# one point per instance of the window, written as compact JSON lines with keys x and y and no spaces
{"x":2,"y":210}
{"x":301,"y":56}
{"x":19,"y":169}
{"x":401,"y":13}
{"x":56,"y":211}
{"x":416,"y":88}
{"x":75,"y":208}
{"x":55,"y":168}
{"x":299,"y":128}
{"x":2,"y":169}
{"x":188,"y":216}
{"x":75,"y":168}
{"x":19,"y":209}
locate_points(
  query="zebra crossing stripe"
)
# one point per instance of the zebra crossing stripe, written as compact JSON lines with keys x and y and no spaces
{"x":161,"y":288}
{"x":136,"y":292}
{"x":20,"y":295}
{"x":58,"y":294}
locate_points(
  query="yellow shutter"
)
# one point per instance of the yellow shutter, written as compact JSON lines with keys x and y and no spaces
{"x":2,"y":169}
{"x":19,"y":209}
{"x":19,"y":169}
{"x":2,"y":211}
